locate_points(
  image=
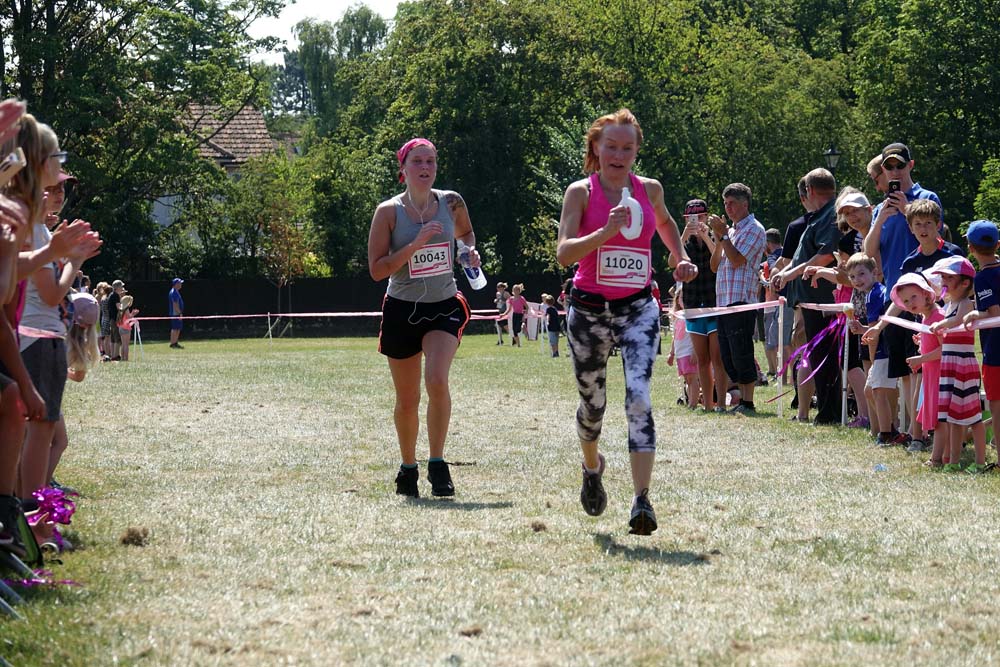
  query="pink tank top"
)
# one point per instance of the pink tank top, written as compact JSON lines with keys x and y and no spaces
{"x":620,"y":267}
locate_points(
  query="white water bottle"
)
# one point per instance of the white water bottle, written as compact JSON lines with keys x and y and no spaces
{"x":634,"y":227}
{"x":477,"y":279}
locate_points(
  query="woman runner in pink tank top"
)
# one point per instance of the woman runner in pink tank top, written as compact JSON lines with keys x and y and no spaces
{"x":611,"y":304}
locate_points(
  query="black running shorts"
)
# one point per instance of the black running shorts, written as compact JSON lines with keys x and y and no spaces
{"x":405,"y":323}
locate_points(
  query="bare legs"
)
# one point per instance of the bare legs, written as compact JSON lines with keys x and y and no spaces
{"x":702,"y":352}
{"x":439,"y":349}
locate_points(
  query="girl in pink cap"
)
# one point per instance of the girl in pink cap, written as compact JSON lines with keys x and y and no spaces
{"x":918,"y":294}
{"x":958,"y":399}
{"x":412,"y":243}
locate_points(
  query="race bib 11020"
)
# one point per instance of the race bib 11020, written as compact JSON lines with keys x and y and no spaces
{"x":431,"y":260}
{"x":623,"y":267}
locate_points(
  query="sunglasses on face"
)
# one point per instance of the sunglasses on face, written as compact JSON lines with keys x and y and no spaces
{"x":893,"y":166}
{"x":61,"y":156}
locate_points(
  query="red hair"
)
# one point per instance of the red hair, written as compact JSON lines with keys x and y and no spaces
{"x":620,"y":117}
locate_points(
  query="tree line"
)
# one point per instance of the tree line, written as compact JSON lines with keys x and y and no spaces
{"x":726,"y":90}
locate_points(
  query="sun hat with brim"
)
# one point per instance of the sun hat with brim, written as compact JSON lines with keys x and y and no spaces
{"x":954,"y":266}
{"x":85,"y":309}
{"x":929,"y":283}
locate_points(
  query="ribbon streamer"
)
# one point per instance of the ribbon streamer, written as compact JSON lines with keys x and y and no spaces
{"x":53,"y":507}
{"x":695,"y":313}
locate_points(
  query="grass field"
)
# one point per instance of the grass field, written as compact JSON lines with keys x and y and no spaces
{"x":264,"y":473}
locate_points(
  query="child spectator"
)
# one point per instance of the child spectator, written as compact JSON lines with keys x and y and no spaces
{"x":517,"y":305}
{"x":552,"y":322}
{"x":773,"y":250}
{"x":501,"y":303}
{"x":113,"y":348}
{"x":917,"y":293}
{"x":983,"y":239}
{"x":126,"y":320}
{"x":102,"y":293}
{"x":682,"y":349}
{"x":883,"y":387}
{"x":958,"y":400}
{"x":844,"y":294}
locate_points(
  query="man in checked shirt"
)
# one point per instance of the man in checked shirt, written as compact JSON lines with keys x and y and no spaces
{"x":738,"y":252}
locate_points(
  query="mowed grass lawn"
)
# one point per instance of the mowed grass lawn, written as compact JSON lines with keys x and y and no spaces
{"x":264,"y":475}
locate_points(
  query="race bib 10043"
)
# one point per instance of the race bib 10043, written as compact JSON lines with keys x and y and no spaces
{"x":431,"y":260}
{"x":623,"y":267}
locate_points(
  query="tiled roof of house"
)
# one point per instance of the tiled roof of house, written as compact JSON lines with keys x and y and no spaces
{"x":230,"y":139}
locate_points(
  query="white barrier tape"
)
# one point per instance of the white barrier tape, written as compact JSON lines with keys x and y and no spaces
{"x":829,"y":307}
{"x":695,"y":313}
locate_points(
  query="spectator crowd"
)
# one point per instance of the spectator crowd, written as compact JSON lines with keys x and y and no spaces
{"x":888,"y":271}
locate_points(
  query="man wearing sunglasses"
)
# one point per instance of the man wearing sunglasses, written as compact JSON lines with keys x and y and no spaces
{"x":889,"y":242}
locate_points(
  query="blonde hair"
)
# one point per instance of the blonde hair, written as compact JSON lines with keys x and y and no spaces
{"x":102,"y":290}
{"x":874,"y":167}
{"x":519,"y":287}
{"x":38,"y":142}
{"x":82,"y":352}
{"x":620,"y":117}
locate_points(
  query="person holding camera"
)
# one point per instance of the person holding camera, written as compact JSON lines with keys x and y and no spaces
{"x":700,"y":293}
{"x":890,"y":241}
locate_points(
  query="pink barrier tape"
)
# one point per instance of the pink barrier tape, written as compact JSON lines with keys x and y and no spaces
{"x":31,"y":332}
{"x":476,"y":315}
{"x":695,"y":313}
{"x":912,"y":326}
{"x":985,"y":323}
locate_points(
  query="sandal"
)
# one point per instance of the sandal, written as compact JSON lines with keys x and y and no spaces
{"x":931,"y":463}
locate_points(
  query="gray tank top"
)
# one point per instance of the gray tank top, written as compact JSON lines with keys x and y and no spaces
{"x":432,"y":266}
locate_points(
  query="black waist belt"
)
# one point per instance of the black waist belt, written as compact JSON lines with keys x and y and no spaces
{"x":596,"y":303}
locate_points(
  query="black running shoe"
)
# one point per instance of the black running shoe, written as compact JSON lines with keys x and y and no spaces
{"x":406,"y":482}
{"x":440,"y":479}
{"x":643,"y":521}
{"x":592,"y":495}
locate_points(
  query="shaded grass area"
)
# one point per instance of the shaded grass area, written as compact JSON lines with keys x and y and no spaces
{"x":263,"y":475}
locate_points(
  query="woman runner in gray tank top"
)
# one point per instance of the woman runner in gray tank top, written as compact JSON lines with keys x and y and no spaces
{"x":412,"y":243}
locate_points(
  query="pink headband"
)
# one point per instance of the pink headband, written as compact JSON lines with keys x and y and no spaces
{"x":409,"y":146}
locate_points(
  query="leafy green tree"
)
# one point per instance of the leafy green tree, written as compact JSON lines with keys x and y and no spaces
{"x":114,"y":77}
{"x":988,"y":199}
{"x":927,"y":76}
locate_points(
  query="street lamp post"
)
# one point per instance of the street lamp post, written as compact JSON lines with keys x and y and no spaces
{"x":832,"y":157}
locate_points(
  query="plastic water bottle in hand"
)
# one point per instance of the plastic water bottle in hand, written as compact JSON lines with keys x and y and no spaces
{"x":634,"y":227}
{"x":477,"y":279}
